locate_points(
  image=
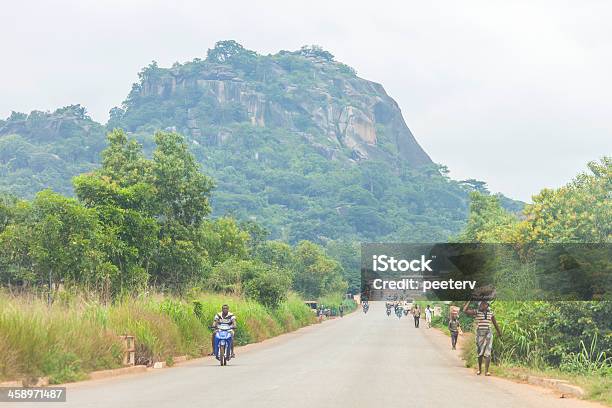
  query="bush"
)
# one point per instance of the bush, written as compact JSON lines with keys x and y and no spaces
{"x":268,"y":287}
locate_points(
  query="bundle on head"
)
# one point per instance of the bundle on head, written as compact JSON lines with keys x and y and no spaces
{"x":484,"y":293}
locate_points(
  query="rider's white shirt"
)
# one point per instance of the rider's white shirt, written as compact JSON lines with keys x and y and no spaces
{"x":228,"y":319}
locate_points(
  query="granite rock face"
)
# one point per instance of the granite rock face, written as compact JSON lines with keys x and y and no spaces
{"x":305,"y":92}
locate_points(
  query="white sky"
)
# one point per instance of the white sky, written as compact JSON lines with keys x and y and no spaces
{"x":516,"y":93}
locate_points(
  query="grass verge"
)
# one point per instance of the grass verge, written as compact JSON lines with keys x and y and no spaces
{"x":76,"y":335}
{"x":597,"y":387}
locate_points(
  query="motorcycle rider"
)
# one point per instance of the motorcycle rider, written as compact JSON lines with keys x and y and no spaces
{"x":223,"y":317}
{"x":398,"y":311}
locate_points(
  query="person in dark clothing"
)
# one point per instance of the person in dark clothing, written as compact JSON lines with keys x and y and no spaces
{"x":416,"y":312}
{"x":454,"y":327}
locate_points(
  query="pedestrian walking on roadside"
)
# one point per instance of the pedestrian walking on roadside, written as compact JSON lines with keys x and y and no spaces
{"x":454,"y":327}
{"x":483,"y":318}
{"x":428,"y":315}
{"x":416,"y":313}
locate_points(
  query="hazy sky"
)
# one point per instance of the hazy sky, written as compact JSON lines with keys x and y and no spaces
{"x":518,"y":94}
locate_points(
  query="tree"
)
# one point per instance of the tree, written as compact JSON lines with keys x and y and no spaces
{"x":316,"y":274}
{"x":348,"y":254}
{"x":276,"y":253}
{"x":124,"y":162}
{"x":181,"y":189}
{"x":578,"y":212}
{"x":222,"y":239}
{"x":225,"y":51}
{"x":487,"y":221}
{"x":475,"y":185}
{"x":64,"y":240}
{"x":123,"y":196}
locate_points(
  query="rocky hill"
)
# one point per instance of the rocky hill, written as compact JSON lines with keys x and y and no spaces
{"x":295,"y":141}
{"x":305,"y":92}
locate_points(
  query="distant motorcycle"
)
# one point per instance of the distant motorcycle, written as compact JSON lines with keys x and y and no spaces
{"x":389,"y":311}
{"x":366,"y":307}
{"x":224,"y":342}
{"x":398,"y":312}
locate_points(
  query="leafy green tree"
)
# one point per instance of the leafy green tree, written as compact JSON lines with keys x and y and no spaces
{"x":487,"y":220}
{"x":64,"y":238}
{"x":122,"y":194}
{"x":578,"y":212}
{"x":276,"y":253}
{"x":222,"y":238}
{"x":182,"y":195}
{"x":348,"y":254}
{"x":182,"y":190}
{"x":316,"y":274}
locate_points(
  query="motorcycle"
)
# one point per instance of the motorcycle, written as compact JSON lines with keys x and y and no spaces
{"x":224,"y":343}
{"x":366,"y":307}
{"x":388,"y":311}
{"x":398,"y":312}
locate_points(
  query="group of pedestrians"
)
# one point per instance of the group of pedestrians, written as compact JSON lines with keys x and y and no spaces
{"x":416,"y":313}
{"x":484,"y":320}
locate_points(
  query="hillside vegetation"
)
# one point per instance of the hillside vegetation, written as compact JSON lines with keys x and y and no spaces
{"x":140,"y":223}
{"x":295,"y":141}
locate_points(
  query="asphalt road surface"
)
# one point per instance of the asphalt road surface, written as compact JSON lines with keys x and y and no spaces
{"x":359,"y":361}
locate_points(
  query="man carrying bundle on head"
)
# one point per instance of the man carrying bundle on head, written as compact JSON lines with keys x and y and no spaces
{"x":483,"y":317}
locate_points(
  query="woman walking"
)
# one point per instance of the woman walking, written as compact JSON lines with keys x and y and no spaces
{"x":483,"y":317}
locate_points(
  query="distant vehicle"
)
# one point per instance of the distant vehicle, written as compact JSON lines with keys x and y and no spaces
{"x":312,"y":304}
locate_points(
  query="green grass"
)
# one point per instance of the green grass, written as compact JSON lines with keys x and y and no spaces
{"x":597,"y":387}
{"x":76,"y":335}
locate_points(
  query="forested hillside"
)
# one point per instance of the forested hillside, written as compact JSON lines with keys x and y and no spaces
{"x":46,"y":149}
{"x":295,"y":141}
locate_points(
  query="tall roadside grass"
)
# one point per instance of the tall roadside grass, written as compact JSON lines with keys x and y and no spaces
{"x":76,"y":335}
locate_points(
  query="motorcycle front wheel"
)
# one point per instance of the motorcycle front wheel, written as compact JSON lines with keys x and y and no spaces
{"x":222,"y":355}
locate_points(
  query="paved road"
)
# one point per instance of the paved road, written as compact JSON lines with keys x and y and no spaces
{"x":359,"y":361}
